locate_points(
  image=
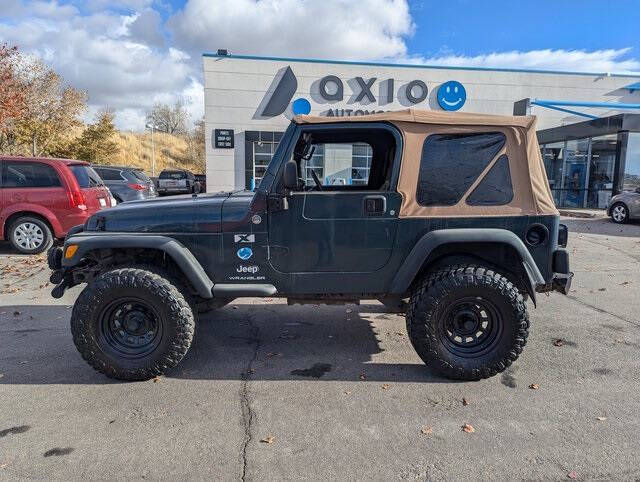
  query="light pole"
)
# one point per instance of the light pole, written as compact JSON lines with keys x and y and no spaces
{"x":153,"y":150}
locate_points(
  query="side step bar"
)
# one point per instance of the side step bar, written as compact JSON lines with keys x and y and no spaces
{"x":231,"y":290}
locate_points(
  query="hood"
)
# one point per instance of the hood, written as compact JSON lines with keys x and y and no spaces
{"x":174,"y":214}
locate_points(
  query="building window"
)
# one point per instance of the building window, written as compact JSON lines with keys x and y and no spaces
{"x":631,"y":180}
{"x":260,"y":146}
{"x":451,"y":163}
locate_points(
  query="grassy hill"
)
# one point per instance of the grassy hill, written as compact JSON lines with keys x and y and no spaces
{"x":134,"y":149}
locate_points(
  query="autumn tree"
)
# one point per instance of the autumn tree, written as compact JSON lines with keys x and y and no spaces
{"x":12,"y":95}
{"x":96,"y":144}
{"x":172,"y":120}
{"x":51,"y":110}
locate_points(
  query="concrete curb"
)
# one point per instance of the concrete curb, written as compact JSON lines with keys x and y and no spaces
{"x":583,"y":214}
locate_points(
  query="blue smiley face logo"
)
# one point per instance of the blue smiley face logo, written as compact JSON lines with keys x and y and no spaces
{"x":451,"y":95}
{"x":244,"y":253}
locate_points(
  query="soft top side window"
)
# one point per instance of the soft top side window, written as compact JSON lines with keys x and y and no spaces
{"x":451,"y":163}
{"x":345,"y":159}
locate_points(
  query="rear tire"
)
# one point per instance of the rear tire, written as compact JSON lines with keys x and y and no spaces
{"x":467,"y":322}
{"x":132,"y":324}
{"x":619,"y":213}
{"x":30,"y":235}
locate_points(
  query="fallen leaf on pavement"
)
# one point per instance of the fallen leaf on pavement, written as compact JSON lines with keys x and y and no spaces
{"x":602,"y":419}
{"x":385,"y":386}
{"x":156,"y":379}
{"x":465,"y":402}
{"x":558,"y":342}
{"x":534,"y":386}
{"x":268,"y":440}
{"x":2,"y":466}
{"x":602,"y":289}
{"x":399,"y":333}
{"x":572,"y":475}
{"x":625,"y":282}
{"x":16,"y":313}
{"x":468,"y":428}
{"x":427,"y":430}
{"x":363,"y":376}
{"x":347,"y":392}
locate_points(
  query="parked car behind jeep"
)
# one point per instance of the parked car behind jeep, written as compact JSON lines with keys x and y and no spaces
{"x":41,"y":199}
{"x":177,"y":181}
{"x":127,"y":183}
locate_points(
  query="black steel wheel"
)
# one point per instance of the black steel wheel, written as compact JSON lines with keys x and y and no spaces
{"x":467,"y":322}
{"x":132,"y":324}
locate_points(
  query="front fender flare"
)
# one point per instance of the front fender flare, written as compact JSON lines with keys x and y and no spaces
{"x":430,"y":241}
{"x":185,"y":260}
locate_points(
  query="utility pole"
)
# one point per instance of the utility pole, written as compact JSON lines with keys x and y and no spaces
{"x":153,"y":151}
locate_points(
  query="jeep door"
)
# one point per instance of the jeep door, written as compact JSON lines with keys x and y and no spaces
{"x":344,"y":220}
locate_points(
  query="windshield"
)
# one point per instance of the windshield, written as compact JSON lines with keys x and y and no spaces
{"x":86,"y":176}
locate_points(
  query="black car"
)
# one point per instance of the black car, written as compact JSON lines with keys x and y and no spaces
{"x":126,"y":183}
{"x":451,"y":221}
{"x":177,"y":181}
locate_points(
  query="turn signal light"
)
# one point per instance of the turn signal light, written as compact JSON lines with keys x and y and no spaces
{"x":137,"y":187}
{"x":70,"y":251}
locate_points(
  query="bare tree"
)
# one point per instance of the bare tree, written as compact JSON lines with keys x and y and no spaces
{"x":172,"y":120}
{"x":196,"y":145}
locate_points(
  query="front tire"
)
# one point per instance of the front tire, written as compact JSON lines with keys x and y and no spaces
{"x":132,"y":324}
{"x":30,"y":235}
{"x":467,"y":322}
{"x":619,"y":213}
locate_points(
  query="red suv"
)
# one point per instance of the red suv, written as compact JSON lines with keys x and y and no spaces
{"x":41,"y":199}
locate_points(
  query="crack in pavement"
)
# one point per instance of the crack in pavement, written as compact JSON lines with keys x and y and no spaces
{"x":600,"y":310}
{"x":615,"y":248}
{"x":247,"y":414}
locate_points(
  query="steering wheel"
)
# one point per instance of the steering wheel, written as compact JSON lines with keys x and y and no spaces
{"x":316,"y":180}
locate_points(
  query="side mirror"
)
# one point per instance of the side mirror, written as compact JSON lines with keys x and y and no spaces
{"x":290,"y":175}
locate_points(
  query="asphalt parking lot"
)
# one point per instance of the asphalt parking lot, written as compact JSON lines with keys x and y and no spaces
{"x":276,"y":392}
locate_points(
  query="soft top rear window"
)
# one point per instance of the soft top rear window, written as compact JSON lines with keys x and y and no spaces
{"x":451,"y":163}
{"x":86,"y":176}
{"x":172,"y":175}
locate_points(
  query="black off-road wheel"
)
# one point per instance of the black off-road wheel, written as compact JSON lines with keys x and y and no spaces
{"x":467,"y":322}
{"x":132,"y":324}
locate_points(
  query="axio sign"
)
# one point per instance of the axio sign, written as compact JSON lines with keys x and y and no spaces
{"x":356,"y":91}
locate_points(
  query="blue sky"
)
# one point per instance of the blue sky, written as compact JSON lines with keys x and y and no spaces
{"x":129,"y":54}
{"x":476,"y":27}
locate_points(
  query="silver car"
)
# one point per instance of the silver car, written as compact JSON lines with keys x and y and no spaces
{"x":625,"y":206}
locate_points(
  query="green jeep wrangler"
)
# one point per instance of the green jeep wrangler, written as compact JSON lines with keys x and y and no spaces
{"x":445,"y":216}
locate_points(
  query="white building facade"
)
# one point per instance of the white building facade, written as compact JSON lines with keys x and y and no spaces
{"x":249,"y":102}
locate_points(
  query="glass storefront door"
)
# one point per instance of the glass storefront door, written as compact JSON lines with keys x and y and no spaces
{"x":602,"y":163}
{"x":574,"y":178}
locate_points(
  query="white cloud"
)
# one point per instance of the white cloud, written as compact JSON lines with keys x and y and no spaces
{"x":125,"y":57}
{"x":601,"y":61}
{"x":342,"y":29}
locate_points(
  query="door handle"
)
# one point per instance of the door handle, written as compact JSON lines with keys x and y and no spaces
{"x":375,"y":205}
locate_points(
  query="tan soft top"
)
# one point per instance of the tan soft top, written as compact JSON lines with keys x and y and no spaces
{"x":426,"y":117}
{"x":531,"y":192}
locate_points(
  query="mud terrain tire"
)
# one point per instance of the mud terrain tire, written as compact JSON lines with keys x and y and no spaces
{"x":467,"y":322}
{"x":132,"y":324}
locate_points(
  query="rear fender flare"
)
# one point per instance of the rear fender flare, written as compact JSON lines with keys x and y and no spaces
{"x":430,"y":241}
{"x":183,"y":258}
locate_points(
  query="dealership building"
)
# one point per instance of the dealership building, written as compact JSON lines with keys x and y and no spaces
{"x":587,"y":128}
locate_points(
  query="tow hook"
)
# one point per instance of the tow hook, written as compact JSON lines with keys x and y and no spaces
{"x":59,"y":290}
